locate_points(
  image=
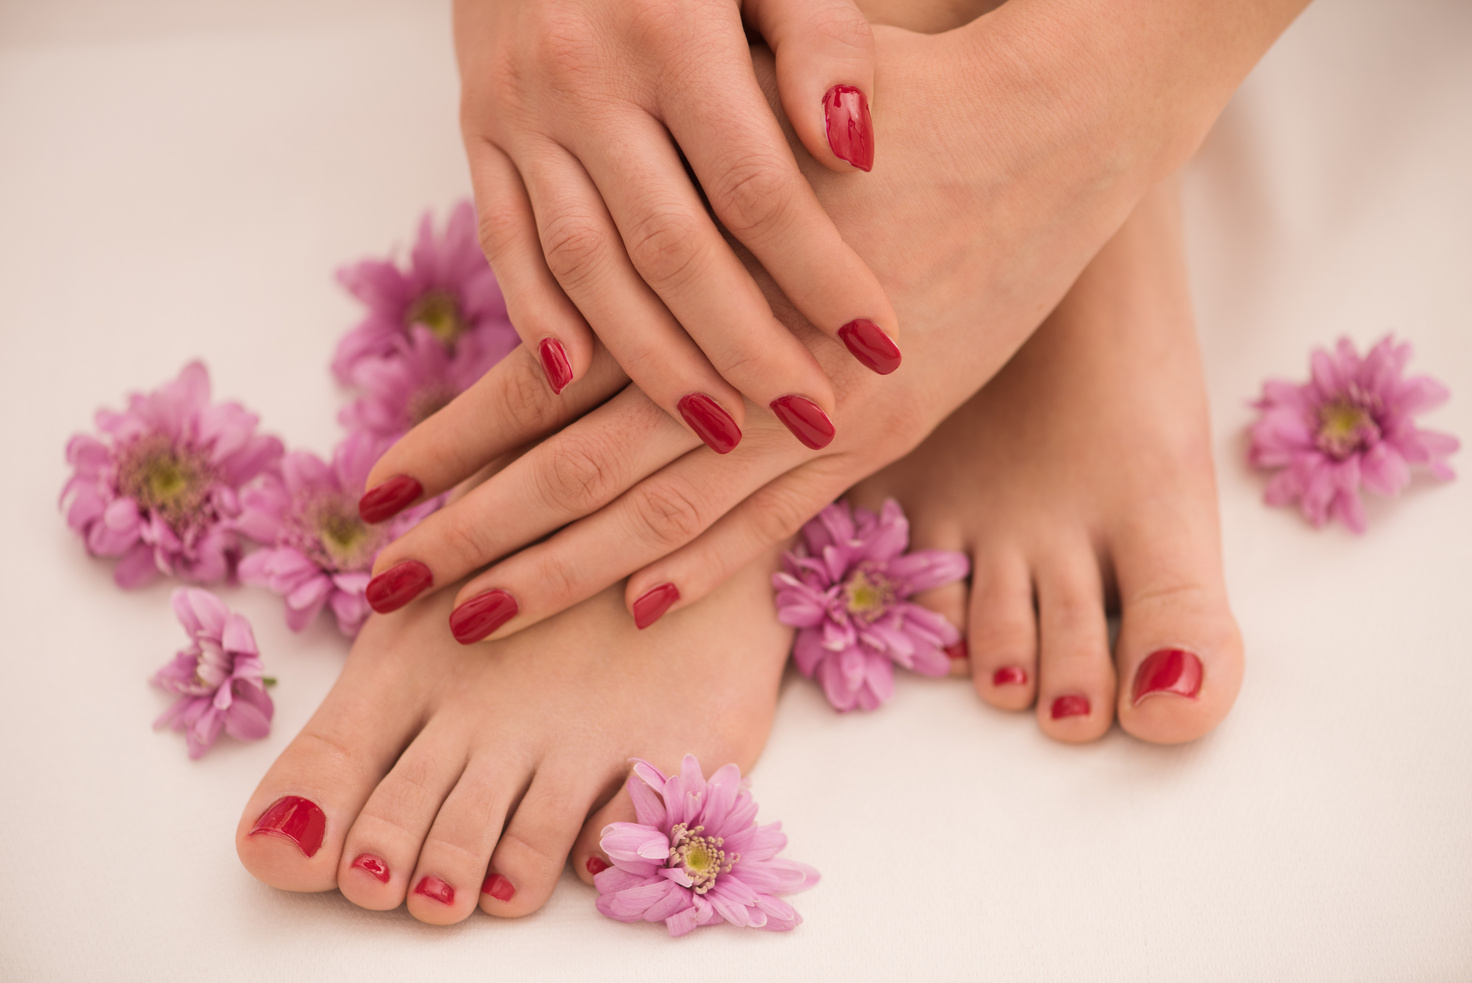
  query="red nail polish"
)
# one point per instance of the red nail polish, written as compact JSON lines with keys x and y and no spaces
{"x":388,"y":499}
{"x":869,"y":344}
{"x":294,"y":818}
{"x":710,"y":423}
{"x":596,"y":865}
{"x":435,"y":889}
{"x":397,"y":586}
{"x":1168,"y":671}
{"x":958,"y":651}
{"x":850,"y":130}
{"x":1017,"y":676}
{"x":1072,"y":705}
{"x":481,"y":615}
{"x":498,"y":887}
{"x":805,"y":419}
{"x":555,"y":364}
{"x":653,"y":603}
{"x":373,"y":865}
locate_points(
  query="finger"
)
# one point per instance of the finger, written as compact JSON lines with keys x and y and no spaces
{"x":650,"y":520}
{"x":547,"y":322}
{"x":825,"y":71}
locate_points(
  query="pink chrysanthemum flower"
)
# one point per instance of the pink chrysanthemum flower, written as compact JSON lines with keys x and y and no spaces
{"x":846,"y":590}
{"x":317,"y":551}
{"x":404,"y":389}
{"x":219,"y":678}
{"x":159,"y":490}
{"x":448,"y":289}
{"x":1351,"y":424}
{"x":696,"y":855}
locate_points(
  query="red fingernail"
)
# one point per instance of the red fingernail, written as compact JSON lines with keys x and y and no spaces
{"x":397,"y":586}
{"x":299,"y":820}
{"x":596,"y":865}
{"x":653,"y":603}
{"x":805,"y":419}
{"x":870,"y":345}
{"x":710,"y":423}
{"x":1168,"y":671}
{"x":388,"y":499}
{"x":555,"y":364}
{"x":850,"y":130}
{"x":498,"y":887}
{"x":481,"y":615}
{"x":1017,"y":676}
{"x":373,"y":865}
{"x":958,"y":651}
{"x":435,"y":889}
{"x":1072,"y":705}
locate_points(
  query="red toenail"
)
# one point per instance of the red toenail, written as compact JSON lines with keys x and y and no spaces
{"x":498,"y":887}
{"x":1016,"y":676}
{"x":958,"y":651}
{"x":1168,"y":671}
{"x":596,"y":865}
{"x":299,"y":820}
{"x":1072,"y":705}
{"x":434,"y":888}
{"x":373,"y":865}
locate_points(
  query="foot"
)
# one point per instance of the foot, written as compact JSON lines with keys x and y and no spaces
{"x":458,"y":776}
{"x":1080,"y":478}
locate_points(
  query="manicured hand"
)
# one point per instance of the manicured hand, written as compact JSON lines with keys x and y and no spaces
{"x":584,"y":123}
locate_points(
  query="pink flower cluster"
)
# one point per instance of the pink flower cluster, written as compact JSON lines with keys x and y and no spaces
{"x":696,"y":855}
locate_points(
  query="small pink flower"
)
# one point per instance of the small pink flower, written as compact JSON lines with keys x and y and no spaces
{"x":218,"y":678}
{"x":161,"y":486}
{"x":448,"y":289}
{"x":418,"y":379}
{"x":317,"y":551}
{"x":696,"y":855}
{"x":1351,"y":424}
{"x":846,"y":590}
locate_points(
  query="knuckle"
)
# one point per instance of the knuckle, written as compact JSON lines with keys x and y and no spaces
{"x":577,"y":479}
{"x":574,"y":246}
{"x":463,"y":539}
{"x":666,"y":516}
{"x":779,"y":516}
{"x":842,"y":29}
{"x":663,"y":246}
{"x":754,"y":193}
{"x":522,"y":397}
{"x":498,"y":227}
{"x":566,"y":47}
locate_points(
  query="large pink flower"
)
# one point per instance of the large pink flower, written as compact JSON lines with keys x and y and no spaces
{"x":1351,"y":424}
{"x":696,"y":855}
{"x":401,"y":390}
{"x":846,"y":590}
{"x":318,"y":552}
{"x":161,"y":486}
{"x":219,"y":678}
{"x":448,"y":289}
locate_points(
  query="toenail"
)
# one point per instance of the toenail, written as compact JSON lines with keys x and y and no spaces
{"x":481,"y":615}
{"x":958,"y":651}
{"x":596,"y":865}
{"x":435,"y":889}
{"x":498,"y":887}
{"x":1070,"y":705}
{"x":397,"y":586}
{"x":1168,"y":671}
{"x":299,"y":820}
{"x":653,"y":603}
{"x":373,"y":865}
{"x":1016,"y":676}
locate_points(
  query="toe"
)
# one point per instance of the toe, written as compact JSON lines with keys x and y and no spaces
{"x":1075,"y":674}
{"x":1002,"y":631}
{"x":588,"y":858}
{"x":533,"y":850}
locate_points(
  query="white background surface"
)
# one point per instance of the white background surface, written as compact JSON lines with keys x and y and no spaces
{"x":180,"y":179}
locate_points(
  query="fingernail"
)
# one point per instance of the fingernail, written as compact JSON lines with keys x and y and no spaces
{"x":710,"y":423}
{"x":388,"y":499}
{"x":299,"y":820}
{"x":958,"y":651}
{"x":481,"y":615}
{"x":498,"y":887}
{"x":870,"y":345}
{"x":435,"y":889}
{"x":653,"y":603}
{"x":397,"y":586}
{"x":1072,"y":705}
{"x":1017,"y":676}
{"x":596,"y":865}
{"x":850,"y":130}
{"x":555,"y":364}
{"x":373,"y":865}
{"x":1168,"y":671}
{"x":805,"y":419}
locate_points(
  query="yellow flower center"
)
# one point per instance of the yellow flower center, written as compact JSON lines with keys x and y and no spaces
{"x":161,"y":478}
{"x":1345,"y":426}
{"x":344,"y":541}
{"x":869,"y":593}
{"x":438,"y":311}
{"x":701,"y":857}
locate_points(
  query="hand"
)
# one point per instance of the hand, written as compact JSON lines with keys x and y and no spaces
{"x":579,"y":119}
